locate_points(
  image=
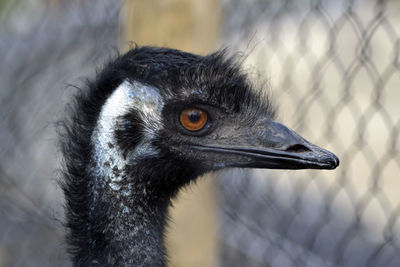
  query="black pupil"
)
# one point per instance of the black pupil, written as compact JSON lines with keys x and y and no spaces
{"x":194,"y":116}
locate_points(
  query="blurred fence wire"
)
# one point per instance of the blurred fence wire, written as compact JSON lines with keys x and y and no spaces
{"x":43,"y":49}
{"x":334,"y":70}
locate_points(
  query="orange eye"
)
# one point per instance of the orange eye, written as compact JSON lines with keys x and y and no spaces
{"x":193,"y":119}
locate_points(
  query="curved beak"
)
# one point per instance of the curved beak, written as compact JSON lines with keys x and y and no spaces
{"x":273,"y":146}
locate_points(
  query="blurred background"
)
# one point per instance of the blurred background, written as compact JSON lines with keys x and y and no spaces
{"x":334,"y":72}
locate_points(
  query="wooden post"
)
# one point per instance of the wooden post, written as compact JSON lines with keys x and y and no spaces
{"x":189,"y":25}
{"x":192,"y":26}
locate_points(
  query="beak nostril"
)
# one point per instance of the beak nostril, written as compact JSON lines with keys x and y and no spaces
{"x":298,"y":148}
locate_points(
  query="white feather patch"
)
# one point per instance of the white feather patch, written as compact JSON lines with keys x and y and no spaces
{"x":107,"y":155}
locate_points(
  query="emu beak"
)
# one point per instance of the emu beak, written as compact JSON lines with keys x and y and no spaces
{"x":274,"y":146}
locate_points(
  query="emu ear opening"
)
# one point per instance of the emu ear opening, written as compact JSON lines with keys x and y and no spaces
{"x":129,"y":131}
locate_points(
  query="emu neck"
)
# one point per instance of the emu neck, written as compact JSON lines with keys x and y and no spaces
{"x":127,"y":211}
{"x":128,"y":229}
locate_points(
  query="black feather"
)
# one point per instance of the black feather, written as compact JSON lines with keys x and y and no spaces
{"x":99,"y":233}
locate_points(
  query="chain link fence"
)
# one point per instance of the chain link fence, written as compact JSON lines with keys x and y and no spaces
{"x":44,"y":47}
{"x":334,"y":70}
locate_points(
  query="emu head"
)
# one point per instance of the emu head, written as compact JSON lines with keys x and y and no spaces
{"x":178,"y":113}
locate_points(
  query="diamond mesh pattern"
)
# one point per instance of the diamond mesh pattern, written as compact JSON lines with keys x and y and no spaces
{"x":333,"y":67}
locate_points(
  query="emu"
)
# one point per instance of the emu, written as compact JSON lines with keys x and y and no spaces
{"x":151,"y":122}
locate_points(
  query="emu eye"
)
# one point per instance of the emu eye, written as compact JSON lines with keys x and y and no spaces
{"x":193,"y":119}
